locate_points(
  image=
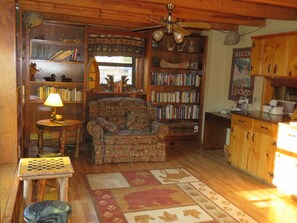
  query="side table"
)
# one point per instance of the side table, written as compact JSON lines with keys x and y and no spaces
{"x":62,"y":127}
{"x":59,"y":168}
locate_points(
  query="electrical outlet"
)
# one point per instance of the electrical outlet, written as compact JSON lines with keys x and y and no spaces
{"x":195,"y":128}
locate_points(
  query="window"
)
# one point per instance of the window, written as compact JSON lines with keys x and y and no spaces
{"x":116,"y":66}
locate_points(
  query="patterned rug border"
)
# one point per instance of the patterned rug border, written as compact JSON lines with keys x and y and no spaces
{"x":194,"y":189}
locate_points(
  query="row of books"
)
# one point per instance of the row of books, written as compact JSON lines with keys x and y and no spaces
{"x":66,"y":94}
{"x":175,"y":97}
{"x":175,"y":79}
{"x":178,"y":112}
{"x":63,"y":54}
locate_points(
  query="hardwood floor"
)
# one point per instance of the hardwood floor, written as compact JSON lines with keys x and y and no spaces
{"x":261,"y":201}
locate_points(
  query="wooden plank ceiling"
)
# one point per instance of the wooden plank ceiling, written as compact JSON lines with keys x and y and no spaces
{"x":130,"y":14}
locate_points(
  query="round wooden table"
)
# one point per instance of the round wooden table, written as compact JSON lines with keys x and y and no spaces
{"x":62,"y":127}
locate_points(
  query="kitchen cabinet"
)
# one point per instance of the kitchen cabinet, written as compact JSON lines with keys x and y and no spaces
{"x":252,"y":146}
{"x":256,"y":56}
{"x":239,"y":140}
{"x":292,"y":58}
{"x":262,"y":149}
{"x":274,"y":55}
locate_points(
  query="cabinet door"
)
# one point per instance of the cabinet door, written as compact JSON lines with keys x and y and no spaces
{"x":292,"y":57}
{"x":239,"y":143}
{"x":261,"y":156}
{"x":267,"y":58}
{"x":280,"y":56}
{"x":256,"y":56}
{"x":262,"y":149}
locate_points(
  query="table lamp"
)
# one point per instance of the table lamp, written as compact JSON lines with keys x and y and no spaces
{"x":54,"y":100}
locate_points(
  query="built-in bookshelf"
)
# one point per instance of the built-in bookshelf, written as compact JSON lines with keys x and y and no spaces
{"x":56,"y":64}
{"x":177,"y":84}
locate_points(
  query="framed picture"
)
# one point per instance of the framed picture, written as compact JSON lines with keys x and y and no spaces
{"x":241,"y":83}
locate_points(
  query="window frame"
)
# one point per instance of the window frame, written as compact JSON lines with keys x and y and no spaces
{"x":132,"y":65}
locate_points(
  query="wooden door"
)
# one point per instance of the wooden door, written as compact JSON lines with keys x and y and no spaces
{"x":256,"y":56}
{"x":267,"y":58}
{"x":280,"y":56}
{"x":292,"y":56}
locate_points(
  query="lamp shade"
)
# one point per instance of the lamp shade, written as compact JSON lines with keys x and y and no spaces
{"x":158,"y":35}
{"x":178,"y":37}
{"x":54,"y":100}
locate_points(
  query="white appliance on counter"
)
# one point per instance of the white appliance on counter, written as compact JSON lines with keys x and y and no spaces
{"x":285,"y":166}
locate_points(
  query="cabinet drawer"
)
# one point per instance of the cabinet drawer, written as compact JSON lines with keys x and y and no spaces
{"x":241,"y":121}
{"x":265,"y":128}
{"x":287,"y":138}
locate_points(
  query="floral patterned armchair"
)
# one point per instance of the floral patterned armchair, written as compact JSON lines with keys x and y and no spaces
{"x":125,"y":130}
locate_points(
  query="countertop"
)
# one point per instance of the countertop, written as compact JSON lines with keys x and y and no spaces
{"x":266,"y":117}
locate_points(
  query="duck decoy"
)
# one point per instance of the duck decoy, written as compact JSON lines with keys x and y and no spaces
{"x":65,"y":79}
{"x":51,"y":78}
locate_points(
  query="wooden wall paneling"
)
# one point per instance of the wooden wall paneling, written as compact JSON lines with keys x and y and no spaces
{"x":8,"y":91}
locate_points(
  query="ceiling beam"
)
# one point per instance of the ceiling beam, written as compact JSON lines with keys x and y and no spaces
{"x":129,"y":9}
{"x":235,"y":7}
{"x":284,"y":3}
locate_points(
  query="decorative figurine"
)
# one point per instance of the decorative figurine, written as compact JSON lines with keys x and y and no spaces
{"x":191,"y":47}
{"x":124,"y":81}
{"x":180,"y":47}
{"x":51,"y":78}
{"x":109,"y":80}
{"x":33,"y":71}
{"x":65,"y":79}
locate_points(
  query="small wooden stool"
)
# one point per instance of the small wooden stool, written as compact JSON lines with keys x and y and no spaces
{"x":49,"y":211}
{"x":41,"y":169}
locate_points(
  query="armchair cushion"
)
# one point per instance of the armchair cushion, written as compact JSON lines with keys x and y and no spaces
{"x":107,"y":125}
{"x":138,"y":121}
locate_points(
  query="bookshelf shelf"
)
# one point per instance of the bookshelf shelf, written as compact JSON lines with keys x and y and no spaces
{"x":61,"y":43}
{"x":64,"y":102}
{"x":57,"y":61}
{"x":177,"y":89}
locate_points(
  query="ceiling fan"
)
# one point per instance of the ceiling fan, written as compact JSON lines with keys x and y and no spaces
{"x":169,"y":24}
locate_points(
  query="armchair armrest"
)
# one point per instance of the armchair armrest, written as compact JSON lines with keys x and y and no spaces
{"x":160,"y":129}
{"x":95,"y":130}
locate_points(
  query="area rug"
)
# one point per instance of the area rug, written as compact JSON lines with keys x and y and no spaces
{"x":160,"y":196}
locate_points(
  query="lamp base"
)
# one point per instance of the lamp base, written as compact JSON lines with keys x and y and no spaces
{"x":56,"y":117}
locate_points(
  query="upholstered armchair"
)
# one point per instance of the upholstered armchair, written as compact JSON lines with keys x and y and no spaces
{"x":125,"y":129}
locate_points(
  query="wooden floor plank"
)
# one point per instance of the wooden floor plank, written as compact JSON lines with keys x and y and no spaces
{"x":260,"y":200}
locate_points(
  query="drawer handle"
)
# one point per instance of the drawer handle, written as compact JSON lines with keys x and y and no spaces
{"x":291,"y":135}
{"x":241,"y":121}
{"x":263,"y":127}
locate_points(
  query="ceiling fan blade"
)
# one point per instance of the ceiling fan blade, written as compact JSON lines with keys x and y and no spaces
{"x":155,"y":21}
{"x":146,"y":28}
{"x":199,"y":25}
{"x":181,"y":30}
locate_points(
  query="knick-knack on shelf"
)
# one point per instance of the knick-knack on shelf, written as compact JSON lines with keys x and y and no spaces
{"x":180,"y":47}
{"x":109,"y":80}
{"x":191,"y":47}
{"x":33,"y":71}
{"x":124,"y":81}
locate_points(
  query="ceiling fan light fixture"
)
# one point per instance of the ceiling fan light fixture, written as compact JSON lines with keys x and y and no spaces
{"x":178,"y":37}
{"x":158,"y":35}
